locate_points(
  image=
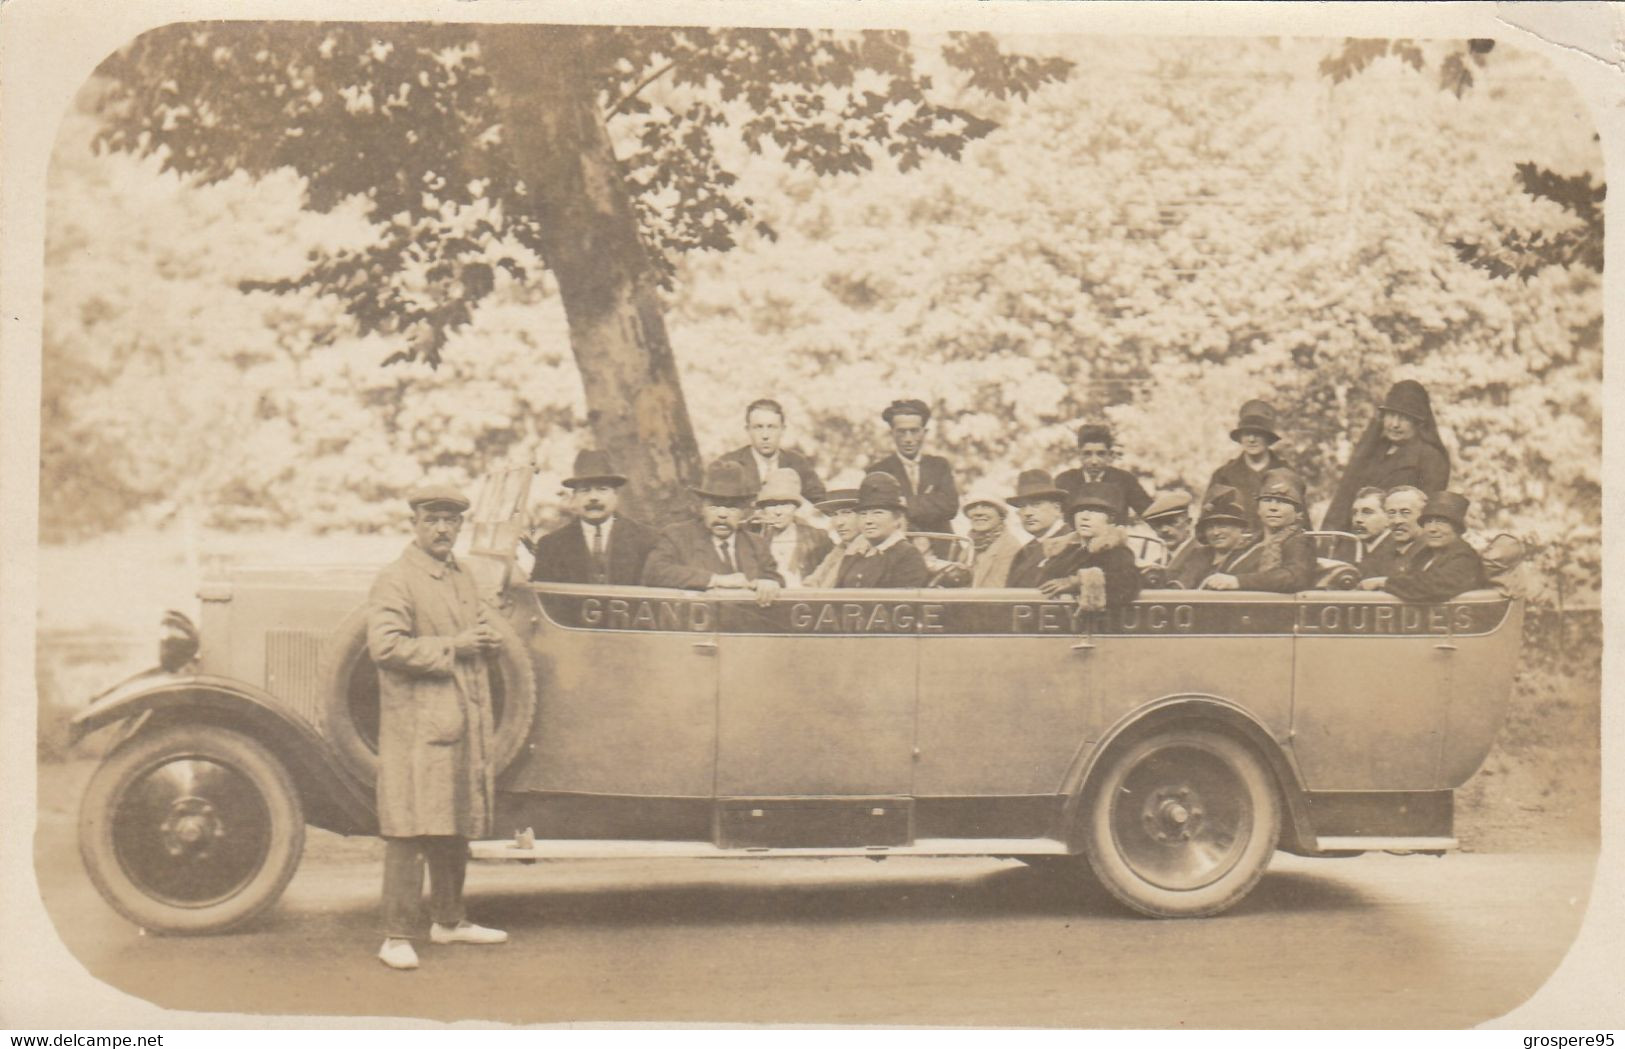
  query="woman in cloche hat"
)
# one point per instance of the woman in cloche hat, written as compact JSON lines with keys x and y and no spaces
{"x":1099,"y":569}
{"x":1400,"y":446}
{"x":1283,"y":561}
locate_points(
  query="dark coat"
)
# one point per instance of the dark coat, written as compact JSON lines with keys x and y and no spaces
{"x":1416,"y":463}
{"x":1027,"y":567}
{"x":434,"y":710}
{"x":899,"y":565}
{"x":812,"y":489}
{"x":1246,"y":481}
{"x":1134,"y":496}
{"x":934,"y":507}
{"x":562,"y":555}
{"x":1192,"y":564}
{"x":1438,"y":575}
{"x":1116,"y":564}
{"x":686,"y":557}
{"x":1385,"y":558}
{"x":1295,"y":572}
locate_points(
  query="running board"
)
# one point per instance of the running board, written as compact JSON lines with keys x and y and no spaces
{"x":1387,"y":844}
{"x":591,"y":849}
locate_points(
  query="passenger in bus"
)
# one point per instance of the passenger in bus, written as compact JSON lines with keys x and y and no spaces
{"x":993,"y":545}
{"x":1445,"y":566}
{"x":797,"y":547}
{"x":1096,"y":451}
{"x":1371,"y":526}
{"x":1400,"y":446}
{"x":1169,"y":515}
{"x":1224,"y":534}
{"x":888,"y":559}
{"x":1283,"y":560}
{"x":598,"y":544}
{"x":926,"y":481}
{"x":1255,"y":433}
{"x":1040,"y":504}
{"x":1099,"y":568}
{"x":1403,"y":506}
{"x":764,"y":451}
{"x":710,"y":551}
{"x":840,"y":506}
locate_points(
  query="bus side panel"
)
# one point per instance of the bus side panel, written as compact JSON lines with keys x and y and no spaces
{"x":1481,"y":687}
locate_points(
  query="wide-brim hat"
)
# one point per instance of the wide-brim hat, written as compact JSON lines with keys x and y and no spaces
{"x":1409,"y":398}
{"x":1223,"y":504}
{"x":1167,"y":504}
{"x":984,"y":497}
{"x":437,"y":497}
{"x":1448,"y":505}
{"x":881,"y":491}
{"x":1097,"y":495}
{"x":907,"y":406}
{"x":837,"y":499}
{"x":1282,"y":484}
{"x":1033,"y":485}
{"x":1256,"y":417}
{"x":593,"y":468}
{"x":725,"y":482}
{"x":782,"y":486}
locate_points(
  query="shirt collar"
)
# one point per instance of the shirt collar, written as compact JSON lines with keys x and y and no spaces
{"x":763,"y":465}
{"x":887,"y":543}
{"x":587,"y":527}
{"x":431,"y":564}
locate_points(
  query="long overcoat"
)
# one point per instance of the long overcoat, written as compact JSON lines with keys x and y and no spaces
{"x":434,"y":717}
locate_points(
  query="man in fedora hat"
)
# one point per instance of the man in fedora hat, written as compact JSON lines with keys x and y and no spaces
{"x":1445,"y":566}
{"x":711,"y":552}
{"x":428,"y":634}
{"x":1098,"y":567}
{"x":1403,"y":506}
{"x":993,"y":545}
{"x":1223,"y":538}
{"x":840,"y":506}
{"x":887,"y":560}
{"x":1283,"y":561}
{"x":1096,"y":451}
{"x":797,"y":547}
{"x":1169,"y":516}
{"x":1255,"y":433}
{"x":927,"y":481}
{"x":600,"y":545}
{"x":764,"y":452}
{"x":1040,"y":504}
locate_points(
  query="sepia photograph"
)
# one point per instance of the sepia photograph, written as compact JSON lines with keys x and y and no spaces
{"x":971,"y":518}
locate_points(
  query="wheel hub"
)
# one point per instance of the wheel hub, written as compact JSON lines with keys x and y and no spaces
{"x":1172,"y":814}
{"x":191,"y":828}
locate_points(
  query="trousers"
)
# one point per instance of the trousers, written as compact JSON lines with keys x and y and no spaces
{"x":404,"y":861}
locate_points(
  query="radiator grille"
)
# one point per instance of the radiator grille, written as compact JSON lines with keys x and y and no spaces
{"x":292,"y":659}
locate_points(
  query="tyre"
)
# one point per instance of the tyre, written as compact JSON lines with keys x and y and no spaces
{"x":1182,"y":822}
{"x":349,"y":695}
{"x":191,"y":829}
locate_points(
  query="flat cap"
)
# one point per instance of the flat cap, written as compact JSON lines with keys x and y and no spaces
{"x":437,"y":497}
{"x":1168,"y":504}
{"x":909,"y":406}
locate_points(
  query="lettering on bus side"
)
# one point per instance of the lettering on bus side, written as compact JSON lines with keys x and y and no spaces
{"x":1138,"y":618}
{"x":619,"y":613}
{"x":1397,"y":620}
{"x":865,"y":617}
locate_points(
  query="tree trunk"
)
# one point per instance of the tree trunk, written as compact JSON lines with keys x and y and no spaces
{"x":561,"y":147}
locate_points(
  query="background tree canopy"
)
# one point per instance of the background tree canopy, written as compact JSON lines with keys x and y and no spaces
{"x":1150,"y":231}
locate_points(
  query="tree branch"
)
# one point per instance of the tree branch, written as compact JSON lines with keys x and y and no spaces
{"x":630,"y":95}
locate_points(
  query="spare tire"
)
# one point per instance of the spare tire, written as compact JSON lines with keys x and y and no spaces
{"x":349,"y":696}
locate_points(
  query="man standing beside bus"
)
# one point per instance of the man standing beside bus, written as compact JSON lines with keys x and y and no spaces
{"x":429,"y":637}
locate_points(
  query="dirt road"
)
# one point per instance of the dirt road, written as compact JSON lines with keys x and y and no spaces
{"x":1380,"y":941}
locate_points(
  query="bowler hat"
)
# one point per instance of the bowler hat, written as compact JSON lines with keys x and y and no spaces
{"x":1257,"y":417}
{"x":1167,"y":504}
{"x":1097,"y":495}
{"x":1282,"y":484}
{"x":909,"y":406}
{"x":1034,"y":485}
{"x":782,"y":486}
{"x":725,"y":482}
{"x":838,"y":499}
{"x":1448,"y":505}
{"x":437,"y":497}
{"x":1223,"y":504}
{"x":880,"y":491}
{"x":984,"y":497}
{"x":593,"y":468}
{"x":1409,"y":398}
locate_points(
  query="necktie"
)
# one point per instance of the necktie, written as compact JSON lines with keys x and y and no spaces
{"x":600,"y":575}
{"x":725,"y":551}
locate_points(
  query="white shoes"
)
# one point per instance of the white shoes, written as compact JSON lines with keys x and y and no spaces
{"x":398,"y":954}
{"x":465,"y":932}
